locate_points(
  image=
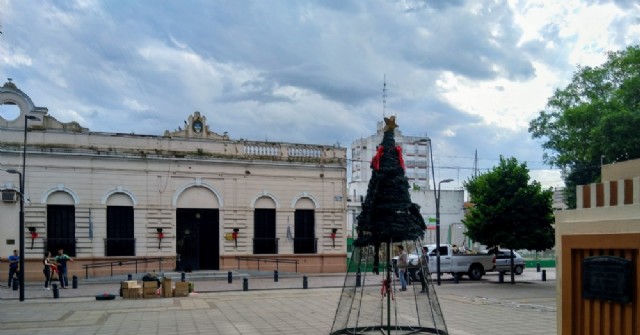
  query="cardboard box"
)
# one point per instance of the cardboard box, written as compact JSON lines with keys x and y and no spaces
{"x":125,"y":293}
{"x":153,"y":284}
{"x":136,"y":292}
{"x":149,"y":292}
{"x":167,"y":290}
{"x":182,"y":289}
{"x":130,"y":284}
{"x":132,"y":293}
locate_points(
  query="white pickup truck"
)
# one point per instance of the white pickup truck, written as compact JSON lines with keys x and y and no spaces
{"x":472,"y":264}
{"x":461,"y":263}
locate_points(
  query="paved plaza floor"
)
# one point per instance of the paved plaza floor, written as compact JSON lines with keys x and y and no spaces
{"x":268,"y":307}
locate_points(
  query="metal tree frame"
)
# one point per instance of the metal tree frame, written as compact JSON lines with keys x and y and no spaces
{"x":361,"y":309}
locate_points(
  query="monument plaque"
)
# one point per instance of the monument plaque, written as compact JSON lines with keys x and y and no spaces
{"x":607,"y":278}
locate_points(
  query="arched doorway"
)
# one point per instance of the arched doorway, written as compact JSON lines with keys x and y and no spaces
{"x":120,"y":226}
{"x":264,"y":226}
{"x":305,"y":241}
{"x":197,"y":230}
{"x":61,"y":223}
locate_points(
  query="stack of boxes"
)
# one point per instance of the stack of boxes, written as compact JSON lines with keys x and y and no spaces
{"x":149,"y":289}
{"x":182,"y":289}
{"x":132,"y":289}
{"x":167,"y":290}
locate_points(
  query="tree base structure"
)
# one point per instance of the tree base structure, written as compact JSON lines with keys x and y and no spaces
{"x":372,"y":301}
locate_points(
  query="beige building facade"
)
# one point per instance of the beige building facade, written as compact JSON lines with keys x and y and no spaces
{"x":194,"y":199}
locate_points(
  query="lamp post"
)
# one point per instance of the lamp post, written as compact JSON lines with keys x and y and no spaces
{"x":21,"y":238}
{"x":438,"y":228}
{"x":21,"y":180}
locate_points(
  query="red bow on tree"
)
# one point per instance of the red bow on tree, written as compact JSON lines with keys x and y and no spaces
{"x":375,"y":162}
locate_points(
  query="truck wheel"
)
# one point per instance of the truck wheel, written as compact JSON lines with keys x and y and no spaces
{"x":475,"y":272}
{"x":518,"y":269}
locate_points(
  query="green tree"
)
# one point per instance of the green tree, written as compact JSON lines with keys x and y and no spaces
{"x":508,"y":211}
{"x":593,"y":120}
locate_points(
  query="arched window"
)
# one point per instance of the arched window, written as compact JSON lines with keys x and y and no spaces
{"x":264,"y":227}
{"x":120,"y":226}
{"x":61,"y":223}
{"x":305,"y":241}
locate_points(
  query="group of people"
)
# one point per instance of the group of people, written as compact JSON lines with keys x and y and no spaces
{"x":403,"y":264}
{"x":56,"y":265}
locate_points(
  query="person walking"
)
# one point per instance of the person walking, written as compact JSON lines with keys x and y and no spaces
{"x":61,"y":261}
{"x":402,"y":266}
{"x":47,"y":270}
{"x":424,"y":269}
{"x":14,"y":261}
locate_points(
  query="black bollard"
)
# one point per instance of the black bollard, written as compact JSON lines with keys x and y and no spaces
{"x":183,"y":277}
{"x":56,"y":292}
{"x":229,"y":277}
{"x":305,"y":282}
{"x":501,"y":277}
{"x":544,"y":275}
{"x":538,"y":267}
{"x":456,"y":278}
{"x":358,"y":279}
{"x":275,"y":275}
{"x":245,"y":284}
{"x":129,"y":277}
{"x":74,"y":281}
{"x":15,"y":283}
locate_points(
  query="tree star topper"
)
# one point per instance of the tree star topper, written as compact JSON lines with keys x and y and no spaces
{"x":390,"y":123}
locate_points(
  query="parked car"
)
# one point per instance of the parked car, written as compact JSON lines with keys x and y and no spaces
{"x":503,"y":262}
{"x":451,"y":261}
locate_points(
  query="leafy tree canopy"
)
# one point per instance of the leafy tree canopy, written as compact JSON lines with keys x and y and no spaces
{"x":594,"y":119}
{"x":509,"y":211}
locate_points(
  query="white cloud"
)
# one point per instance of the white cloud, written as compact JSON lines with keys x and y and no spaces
{"x":16,"y":59}
{"x":501,"y":103}
{"x":135,"y":104}
{"x":470,"y":74}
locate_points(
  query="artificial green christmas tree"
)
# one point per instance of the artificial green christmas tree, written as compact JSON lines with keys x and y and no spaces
{"x":370,"y":302}
{"x":387,"y":212}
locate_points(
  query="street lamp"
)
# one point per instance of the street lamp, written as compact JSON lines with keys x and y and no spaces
{"x":438,"y":228}
{"x":21,"y":239}
{"x":21,"y":179}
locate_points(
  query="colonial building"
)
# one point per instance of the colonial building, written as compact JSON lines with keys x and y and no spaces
{"x":193,"y":198}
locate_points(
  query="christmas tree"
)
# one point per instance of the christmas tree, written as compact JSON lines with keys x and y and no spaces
{"x":387,"y":212}
{"x":371,"y":303}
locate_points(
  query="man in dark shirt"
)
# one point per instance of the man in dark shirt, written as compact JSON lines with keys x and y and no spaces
{"x":14,"y":261}
{"x":61,"y":260}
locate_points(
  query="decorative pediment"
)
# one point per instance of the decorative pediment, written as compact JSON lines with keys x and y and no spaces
{"x":10,"y":94}
{"x":196,"y":127}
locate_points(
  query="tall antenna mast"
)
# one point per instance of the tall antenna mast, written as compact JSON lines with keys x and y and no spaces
{"x":384,"y":96}
{"x":475,"y":165}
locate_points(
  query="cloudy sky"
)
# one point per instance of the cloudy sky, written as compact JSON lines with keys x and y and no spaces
{"x":469,"y":74}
